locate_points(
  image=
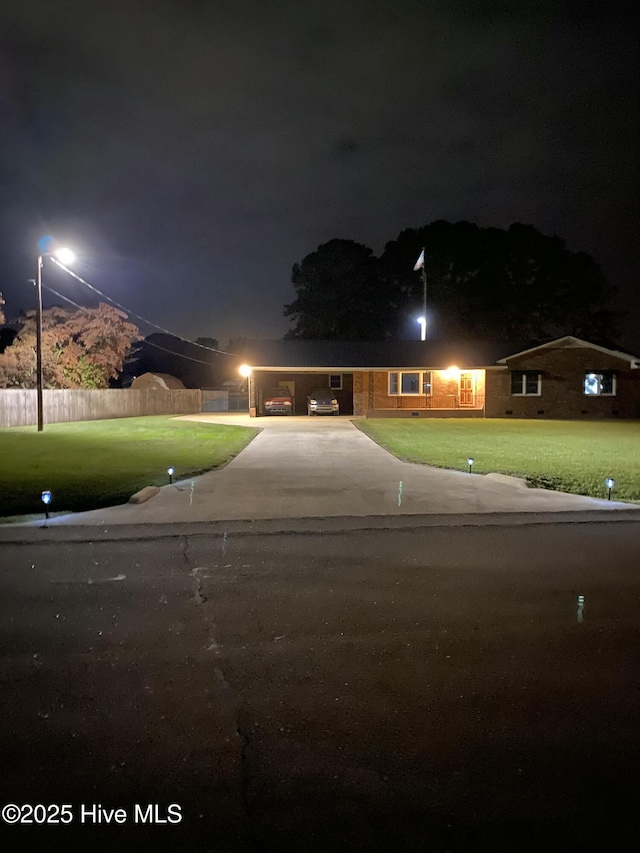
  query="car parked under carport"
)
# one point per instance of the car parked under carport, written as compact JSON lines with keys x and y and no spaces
{"x":278,"y":401}
{"x":322,"y":401}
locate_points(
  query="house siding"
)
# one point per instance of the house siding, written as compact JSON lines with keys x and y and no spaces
{"x":562,"y":372}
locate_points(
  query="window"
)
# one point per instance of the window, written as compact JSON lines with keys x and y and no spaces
{"x":335,"y":381}
{"x":410,"y":383}
{"x":600,"y":384}
{"x":525,"y":383}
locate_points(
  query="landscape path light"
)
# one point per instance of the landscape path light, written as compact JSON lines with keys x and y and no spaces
{"x":609,"y":483}
{"x":170,"y":471}
{"x":46,"y":497}
{"x":470,"y":463}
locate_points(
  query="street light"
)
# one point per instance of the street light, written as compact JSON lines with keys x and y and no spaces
{"x":65,"y":256}
{"x":423,"y":328}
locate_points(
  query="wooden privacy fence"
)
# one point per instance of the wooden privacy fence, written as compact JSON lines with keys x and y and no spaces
{"x":18,"y":406}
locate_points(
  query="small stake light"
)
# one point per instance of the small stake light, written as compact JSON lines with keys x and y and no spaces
{"x":609,"y":483}
{"x":470,"y":463}
{"x":170,"y":471}
{"x":46,"y":500}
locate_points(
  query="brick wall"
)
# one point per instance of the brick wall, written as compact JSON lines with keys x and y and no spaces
{"x":445,"y":392}
{"x":563,"y":397}
{"x":360,"y":394}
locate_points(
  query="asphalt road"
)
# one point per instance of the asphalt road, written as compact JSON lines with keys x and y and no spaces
{"x":419,"y":689}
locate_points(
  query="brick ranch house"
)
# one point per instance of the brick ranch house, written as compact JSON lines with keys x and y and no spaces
{"x":567,"y":378}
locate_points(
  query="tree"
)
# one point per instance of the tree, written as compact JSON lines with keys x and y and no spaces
{"x":489,"y":283}
{"x":338,"y":294}
{"x":80,"y":349}
{"x":212,"y":343}
{"x":514,"y":285}
{"x":236,"y":345}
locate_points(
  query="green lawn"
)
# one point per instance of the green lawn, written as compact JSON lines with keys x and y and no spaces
{"x":101,"y":463}
{"x":568,"y":456}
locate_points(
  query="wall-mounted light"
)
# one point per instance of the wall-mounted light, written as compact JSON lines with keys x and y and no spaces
{"x":452,"y":372}
{"x":609,"y":483}
{"x":470,"y":463}
{"x":170,"y":471}
{"x":46,"y":497}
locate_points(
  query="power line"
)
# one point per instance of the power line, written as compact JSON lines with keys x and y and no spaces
{"x":139,"y":316}
{"x":144,"y":341}
{"x":75,"y":304}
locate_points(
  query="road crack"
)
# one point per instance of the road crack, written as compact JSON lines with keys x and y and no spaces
{"x":230,"y":695}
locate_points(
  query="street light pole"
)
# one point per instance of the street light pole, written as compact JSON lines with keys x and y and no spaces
{"x":39,"y":395}
{"x":66,"y":256}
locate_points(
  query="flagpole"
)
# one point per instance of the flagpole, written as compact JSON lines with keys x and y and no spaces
{"x":424,"y":292}
{"x":421,"y":265}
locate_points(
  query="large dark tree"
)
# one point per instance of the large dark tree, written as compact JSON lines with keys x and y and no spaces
{"x":339,"y":289}
{"x":514,"y":285}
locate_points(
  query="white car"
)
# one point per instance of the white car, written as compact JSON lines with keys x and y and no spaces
{"x":322,"y":401}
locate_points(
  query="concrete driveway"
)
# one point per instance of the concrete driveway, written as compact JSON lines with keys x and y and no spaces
{"x":318,"y":467}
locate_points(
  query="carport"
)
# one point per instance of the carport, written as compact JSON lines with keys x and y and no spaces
{"x":300,"y":384}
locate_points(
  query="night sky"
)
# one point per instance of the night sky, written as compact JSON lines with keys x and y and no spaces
{"x":192,"y":150}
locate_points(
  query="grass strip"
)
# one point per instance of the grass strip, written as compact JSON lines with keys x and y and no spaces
{"x":93,"y":464}
{"x":567,"y":456}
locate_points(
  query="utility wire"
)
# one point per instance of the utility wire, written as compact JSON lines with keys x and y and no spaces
{"x":139,"y":316}
{"x":145,"y":342}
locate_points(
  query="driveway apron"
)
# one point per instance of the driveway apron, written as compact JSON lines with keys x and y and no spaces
{"x":313,"y":467}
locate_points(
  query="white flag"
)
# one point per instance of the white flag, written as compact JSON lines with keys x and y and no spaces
{"x":420,"y":262}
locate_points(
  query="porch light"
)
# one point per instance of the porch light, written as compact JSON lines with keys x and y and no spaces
{"x":469,"y":463}
{"x":244,"y":370}
{"x":452,"y":372}
{"x":170,"y":471}
{"x":609,"y":483}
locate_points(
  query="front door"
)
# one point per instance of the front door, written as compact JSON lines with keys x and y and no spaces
{"x":466,"y":389}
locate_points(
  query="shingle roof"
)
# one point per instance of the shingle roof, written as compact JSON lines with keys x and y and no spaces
{"x":573,"y":342}
{"x":372,"y":355}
